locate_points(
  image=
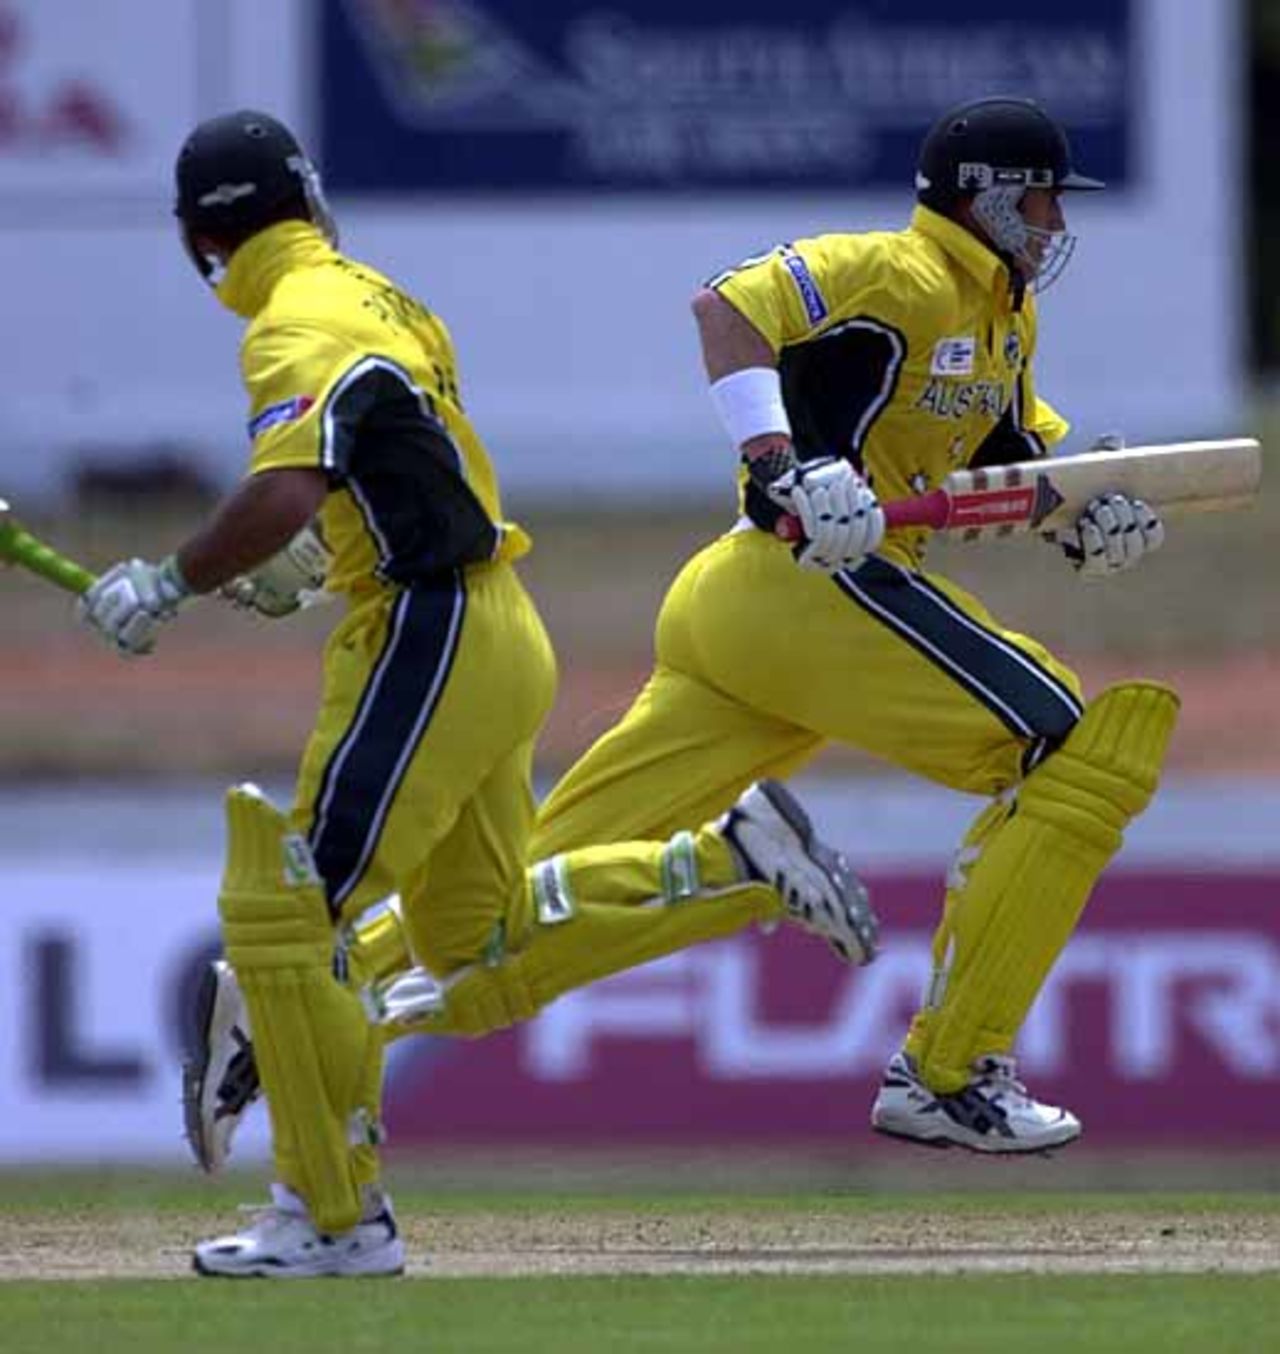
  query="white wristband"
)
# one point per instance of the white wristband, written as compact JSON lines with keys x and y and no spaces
{"x":749,"y":403}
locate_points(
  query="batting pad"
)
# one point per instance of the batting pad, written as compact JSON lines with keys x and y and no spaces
{"x":1024,"y":894}
{"x":318,"y":1056}
{"x":615,"y":907}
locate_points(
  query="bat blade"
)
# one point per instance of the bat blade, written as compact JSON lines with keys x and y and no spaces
{"x":1047,"y":496}
{"x":18,"y":546}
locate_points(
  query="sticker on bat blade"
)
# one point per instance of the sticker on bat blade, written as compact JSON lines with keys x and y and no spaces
{"x":992,"y":506}
{"x":1047,"y":500}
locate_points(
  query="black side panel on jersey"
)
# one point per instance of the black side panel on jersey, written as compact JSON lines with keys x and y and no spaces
{"x":834,"y":387}
{"x":405,"y":473}
{"x":1007,"y":443}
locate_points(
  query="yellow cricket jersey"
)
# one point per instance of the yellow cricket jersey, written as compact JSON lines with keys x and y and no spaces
{"x":347,"y":373}
{"x":909,"y":352}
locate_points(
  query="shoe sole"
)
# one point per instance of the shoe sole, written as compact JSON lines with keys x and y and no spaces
{"x":213,"y":1021}
{"x":266,"y":1271}
{"x":942,"y":1144}
{"x":196,"y":1069}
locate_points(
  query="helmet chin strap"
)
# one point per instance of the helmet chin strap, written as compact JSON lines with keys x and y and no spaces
{"x":1041,"y":255}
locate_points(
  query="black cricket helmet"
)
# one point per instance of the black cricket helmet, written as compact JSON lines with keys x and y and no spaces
{"x":988,"y":153}
{"x":239,"y":173}
{"x":990,"y":143}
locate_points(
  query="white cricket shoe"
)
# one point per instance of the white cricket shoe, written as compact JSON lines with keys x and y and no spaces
{"x":772,"y":836}
{"x":283,"y":1243}
{"x":220,"y":1077}
{"x":993,"y":1113}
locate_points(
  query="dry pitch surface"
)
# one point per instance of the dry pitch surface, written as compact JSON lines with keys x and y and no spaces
{"x":899,"y":1238}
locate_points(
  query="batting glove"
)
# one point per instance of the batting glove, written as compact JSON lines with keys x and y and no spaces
{"x":292,"y":578}
{"x":131,"y":601}
{"x":839,"y":513}
{"x":1112,"y":534}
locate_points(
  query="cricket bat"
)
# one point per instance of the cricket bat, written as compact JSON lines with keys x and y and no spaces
{"x":18,"y":546}
{"x":1048,"y":495}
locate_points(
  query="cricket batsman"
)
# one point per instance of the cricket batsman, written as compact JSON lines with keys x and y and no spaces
{"x":416,"y":779}
{"x":845,"y":368}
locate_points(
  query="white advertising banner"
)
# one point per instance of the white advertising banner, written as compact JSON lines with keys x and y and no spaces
{"x":92,"y":93}
{"x":95,"y":959}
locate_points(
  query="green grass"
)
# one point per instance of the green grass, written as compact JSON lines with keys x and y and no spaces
{"x":686,"y":1315}
{"x":705,"y":1314}
{"x":654,"y":1182}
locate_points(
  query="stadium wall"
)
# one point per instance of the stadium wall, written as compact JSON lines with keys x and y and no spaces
{"x":567,"y":289}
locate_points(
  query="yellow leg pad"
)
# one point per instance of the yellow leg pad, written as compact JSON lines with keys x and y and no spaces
{"x":318,"y":1056}
{"x":614,"y":908}
{"x":1024,"y":894}
{"x":983,"y":828}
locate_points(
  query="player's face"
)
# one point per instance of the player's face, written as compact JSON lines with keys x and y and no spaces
{"x":1041,"y":209}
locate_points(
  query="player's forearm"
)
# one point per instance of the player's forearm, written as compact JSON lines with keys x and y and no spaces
{"x":259,"y":518}
{"x":753,"y":415}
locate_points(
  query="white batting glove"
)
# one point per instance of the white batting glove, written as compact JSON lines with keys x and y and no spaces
{"x":838,"y":511}
{"x":292,"y":578}
{"x":1112,"y":534}
{"x":129,"y":603}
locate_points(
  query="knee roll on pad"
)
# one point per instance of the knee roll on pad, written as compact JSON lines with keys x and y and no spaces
{"x":318,"y":1056}
{"x":1106,"y":771}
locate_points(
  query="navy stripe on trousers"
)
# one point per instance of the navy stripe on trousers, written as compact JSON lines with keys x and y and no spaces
{"x":368,"y":765}
{"x":1026,"y":697}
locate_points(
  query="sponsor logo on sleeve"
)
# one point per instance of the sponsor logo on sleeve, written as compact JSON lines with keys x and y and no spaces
{"x":815,"y":306}
{"x":954,"y":356}
{"x":285,"y":411}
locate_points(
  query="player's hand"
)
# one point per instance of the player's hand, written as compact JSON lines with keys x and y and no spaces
{"x":839,"y":513}
{"x":292,"y":578}
{"x":129,"y":603}
{"x":1112,"y":534}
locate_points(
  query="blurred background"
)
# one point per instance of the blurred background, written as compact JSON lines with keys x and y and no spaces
{"x":556,"y":180}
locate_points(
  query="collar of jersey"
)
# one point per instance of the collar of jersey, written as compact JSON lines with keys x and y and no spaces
{"x":967,"y":250}
{"x":263,"y":260}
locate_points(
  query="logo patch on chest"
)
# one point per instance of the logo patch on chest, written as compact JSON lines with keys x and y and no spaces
{"x":954,"y":356}
{"x":1012,"y":348}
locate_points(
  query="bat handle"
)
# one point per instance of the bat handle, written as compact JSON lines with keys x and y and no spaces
{"x":24,"y":549}
{"x":924,"y":510}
